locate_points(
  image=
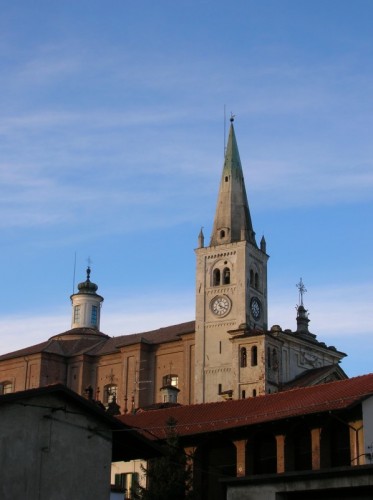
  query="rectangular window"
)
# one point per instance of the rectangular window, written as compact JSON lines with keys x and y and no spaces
{"x":110,"y":391}
{"x":120,"y":480}
{"x":128,"y":483}
{"x":6,"y":388}
{"x":77,"y":314}
{"x":170,"y":380}
{"x":94,"y":315}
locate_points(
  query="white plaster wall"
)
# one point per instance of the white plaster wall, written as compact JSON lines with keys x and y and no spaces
{"x":59,"y":455}
{"x":86,"y":302}
{"x":344,"y":484}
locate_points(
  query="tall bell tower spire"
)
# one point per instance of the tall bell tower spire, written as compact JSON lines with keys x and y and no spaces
{"x":231,"y":283}
{"x":232,"y":217}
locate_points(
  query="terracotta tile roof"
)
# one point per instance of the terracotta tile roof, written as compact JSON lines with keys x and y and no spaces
{"x":316,"y":376}
{"x":76,"y":346}
{"x":97,"y":343}
{"x":65,"y":344}
{"x":159,"y":336}
{"x":26,"y":351}
{"x":211,"y":417}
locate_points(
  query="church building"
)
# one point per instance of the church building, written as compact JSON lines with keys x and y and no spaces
{"x":228,"y":351}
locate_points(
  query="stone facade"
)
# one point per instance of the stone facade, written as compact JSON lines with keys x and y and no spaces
{"x":48,"y":439}
{"x":227,"y":352}
{"x":281,"y":445}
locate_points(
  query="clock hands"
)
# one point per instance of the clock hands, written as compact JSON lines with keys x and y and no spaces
{"x":220,"y":306}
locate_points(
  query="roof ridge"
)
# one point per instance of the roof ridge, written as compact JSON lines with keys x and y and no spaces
{"x":274,"y":394}
{"x":160,"y":328}
{"x":216,"y":416}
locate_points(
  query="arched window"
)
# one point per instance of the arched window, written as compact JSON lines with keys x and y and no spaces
{"x":254,"y":355}
{"x":222,"y":233}
{"x":110,"y":391}
{"x":269,"y":357}
{"x":216,"y":277}
{"x":77,"y":314}
{"x":254,"y":393}
{"x":274,"y":359}
{"x":6,"y":387}
{"x":226,"y":276}
{"x":256,"y":284}
{"x":243,"y":394}
{"x":251,"y":277}
{"x":94,"y":315}
{"x":243,"y":357}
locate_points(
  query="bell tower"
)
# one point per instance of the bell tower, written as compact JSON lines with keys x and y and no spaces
{"x":231,"y":282}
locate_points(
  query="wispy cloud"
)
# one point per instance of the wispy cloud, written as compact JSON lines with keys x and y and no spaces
{"x":140,"y":313}
{"x":336,"y":312}
{"x":147,"y":311}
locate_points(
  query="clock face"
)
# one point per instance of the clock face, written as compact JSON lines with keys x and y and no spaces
{"x":220,"y":306}
{"x":255,"y":308}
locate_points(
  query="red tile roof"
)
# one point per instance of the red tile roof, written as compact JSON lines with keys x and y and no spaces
{"x":26,"y":351}
{"x":210,"y":417}
{"x":96,"y":343}
{"x":316,"y":376}
{"x":159,"y":336}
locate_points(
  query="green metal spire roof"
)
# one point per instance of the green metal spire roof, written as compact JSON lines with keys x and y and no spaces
{"x":232,"y":217}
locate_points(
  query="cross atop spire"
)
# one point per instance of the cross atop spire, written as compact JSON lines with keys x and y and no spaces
{"x":302,"y":290}
{"x":302,"y":313}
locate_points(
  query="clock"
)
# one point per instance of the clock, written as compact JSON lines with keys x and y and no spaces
{"x":220,"y":305}
{"x":255,"y":308}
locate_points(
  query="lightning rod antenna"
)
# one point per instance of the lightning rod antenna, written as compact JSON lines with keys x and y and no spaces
{"x":74,"y":273}
{"x":225,"y":126}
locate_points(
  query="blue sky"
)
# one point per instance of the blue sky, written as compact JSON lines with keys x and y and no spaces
{"x":111,"y":141}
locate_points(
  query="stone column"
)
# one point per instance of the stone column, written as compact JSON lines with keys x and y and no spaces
{"x":316,"y":448}
{"x":280,"y":442}
{"x":241,"y":457}
{"x":357,"y":442}
{"x":189,"y":452}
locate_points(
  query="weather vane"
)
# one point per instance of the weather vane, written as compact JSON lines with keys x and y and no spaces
{"x":89,"y":262}
{"x":302,"y":290}
{"x":232,"y":117}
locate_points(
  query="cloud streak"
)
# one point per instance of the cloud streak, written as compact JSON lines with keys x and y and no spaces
{"x":147,"y":311}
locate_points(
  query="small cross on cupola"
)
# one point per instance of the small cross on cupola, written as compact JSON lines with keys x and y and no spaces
{"x":302,"y":313}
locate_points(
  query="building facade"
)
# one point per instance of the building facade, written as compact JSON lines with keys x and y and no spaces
{"x":48,"y":437}
{"x":307,"y":443}
{"x":227,"y":351}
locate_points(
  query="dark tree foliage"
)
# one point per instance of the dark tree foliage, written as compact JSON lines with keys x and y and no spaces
{"x":169,"y":477}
